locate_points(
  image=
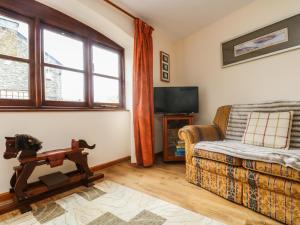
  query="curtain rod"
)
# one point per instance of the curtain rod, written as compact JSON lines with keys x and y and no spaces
{"x":119,"y":8}
{"x":122,"y":10}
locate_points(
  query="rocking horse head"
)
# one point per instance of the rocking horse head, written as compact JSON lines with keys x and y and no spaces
{"x":27,"y":144}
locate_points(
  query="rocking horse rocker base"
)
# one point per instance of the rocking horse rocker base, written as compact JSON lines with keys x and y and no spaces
{"x":39,"y":190}
{"x":51,"y":184}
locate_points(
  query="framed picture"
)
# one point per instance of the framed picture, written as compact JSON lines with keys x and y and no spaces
{"x":164,"y":67}
{"x":273,"y":39}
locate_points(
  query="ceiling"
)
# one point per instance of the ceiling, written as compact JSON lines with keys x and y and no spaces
{"x":181,"y":17}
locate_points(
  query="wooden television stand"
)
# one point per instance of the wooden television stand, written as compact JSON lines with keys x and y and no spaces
{"x":171,"y":126}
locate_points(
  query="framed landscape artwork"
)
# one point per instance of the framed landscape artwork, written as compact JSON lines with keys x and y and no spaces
{"x":164,"y":67}
{"x":273,"y":39}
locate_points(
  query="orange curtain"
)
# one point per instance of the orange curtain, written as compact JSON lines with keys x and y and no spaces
{"x":143,"y":113}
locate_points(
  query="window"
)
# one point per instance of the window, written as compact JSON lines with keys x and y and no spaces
{"x":63,"y":67}
{"x":46,"y":64}
{"x":14,"y":60}
{"x":106,"y":75}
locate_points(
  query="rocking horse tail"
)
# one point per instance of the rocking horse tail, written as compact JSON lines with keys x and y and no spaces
{"x":84,"y":144}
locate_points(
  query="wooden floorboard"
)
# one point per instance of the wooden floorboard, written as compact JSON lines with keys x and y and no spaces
{"x":166,"y":181}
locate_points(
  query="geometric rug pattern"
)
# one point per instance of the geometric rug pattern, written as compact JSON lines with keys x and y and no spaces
{"x":109,"y":203}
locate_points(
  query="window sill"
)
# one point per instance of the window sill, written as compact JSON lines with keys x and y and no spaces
{"x":61,"y":109}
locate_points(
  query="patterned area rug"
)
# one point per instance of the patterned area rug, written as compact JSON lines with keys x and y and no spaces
{"x":109,"y":203}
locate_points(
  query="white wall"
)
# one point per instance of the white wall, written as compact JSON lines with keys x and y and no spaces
{"x":162,"y":42}
{"x":108,"y":130}
{"x":272,"y":78}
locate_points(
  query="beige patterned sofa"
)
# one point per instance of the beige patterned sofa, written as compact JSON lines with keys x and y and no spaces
{"x":265,"y":186}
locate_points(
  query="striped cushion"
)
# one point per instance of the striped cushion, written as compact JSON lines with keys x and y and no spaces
{"x":272,"y":183}
{"x":271,"y":130}
{"x":239,"y":114}
{"x":217,"y":157}
{"x":272,"y":169}
{"x":223,"y":186}
{"x":232,"y":172}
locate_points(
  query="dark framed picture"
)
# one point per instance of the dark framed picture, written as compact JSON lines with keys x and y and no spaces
{"x":273,"y":39}
{"x":165,"y":75}
{"x":164,"y":67}
{"x":165,"y":59}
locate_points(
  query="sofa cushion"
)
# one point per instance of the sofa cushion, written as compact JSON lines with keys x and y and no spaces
{"x":272,"y":183}
{"x":290,"y":158}
{"x":272,"y":169}
{"x":218,"y":157}
{"x":238,"y":118}
{"x":271,"y":130}
{"x":224,"y":186}
{"x":232,"y":172}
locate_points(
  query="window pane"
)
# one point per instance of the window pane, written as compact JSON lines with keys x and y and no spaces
{"x":14,"y":80}
{"x":63,"y":85}
{"x":105,"y":62}
{"x":62,"y":50}
{"x":106,"y":90}
{"x":13,"y":37}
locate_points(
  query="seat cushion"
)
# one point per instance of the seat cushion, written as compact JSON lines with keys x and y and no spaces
{"x":223,"y":186}
{"x":232,"y":172}
{"x":290,"y":158}
{"x":272,"y":169}
{"x":265,"y":181}
{"x":272,"y":183}
{"x":218,"y":157}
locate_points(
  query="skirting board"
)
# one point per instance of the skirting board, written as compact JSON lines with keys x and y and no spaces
{"x":109,"y":164}
{"x":6,"y":196}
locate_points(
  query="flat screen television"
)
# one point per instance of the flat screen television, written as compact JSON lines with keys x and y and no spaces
{"x":176,"y":100}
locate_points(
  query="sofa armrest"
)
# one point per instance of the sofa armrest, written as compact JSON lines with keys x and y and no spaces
{"x":192,"y":134}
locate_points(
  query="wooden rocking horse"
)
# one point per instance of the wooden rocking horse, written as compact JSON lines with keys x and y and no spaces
{"x":27,"y":147}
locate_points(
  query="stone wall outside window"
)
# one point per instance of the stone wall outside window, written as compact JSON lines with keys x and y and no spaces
{"x":14,"y":76}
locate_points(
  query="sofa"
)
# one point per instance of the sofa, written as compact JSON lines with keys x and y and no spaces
{"x":270,"y":186}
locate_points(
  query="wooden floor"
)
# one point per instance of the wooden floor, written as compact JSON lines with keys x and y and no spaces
{"x":166,"y":181}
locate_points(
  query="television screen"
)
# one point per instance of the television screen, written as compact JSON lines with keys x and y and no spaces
{"x":176,"y":100}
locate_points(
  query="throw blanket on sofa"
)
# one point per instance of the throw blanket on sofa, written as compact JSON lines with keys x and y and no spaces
{"x":239,"y":114}
{"x":289,"y":158}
